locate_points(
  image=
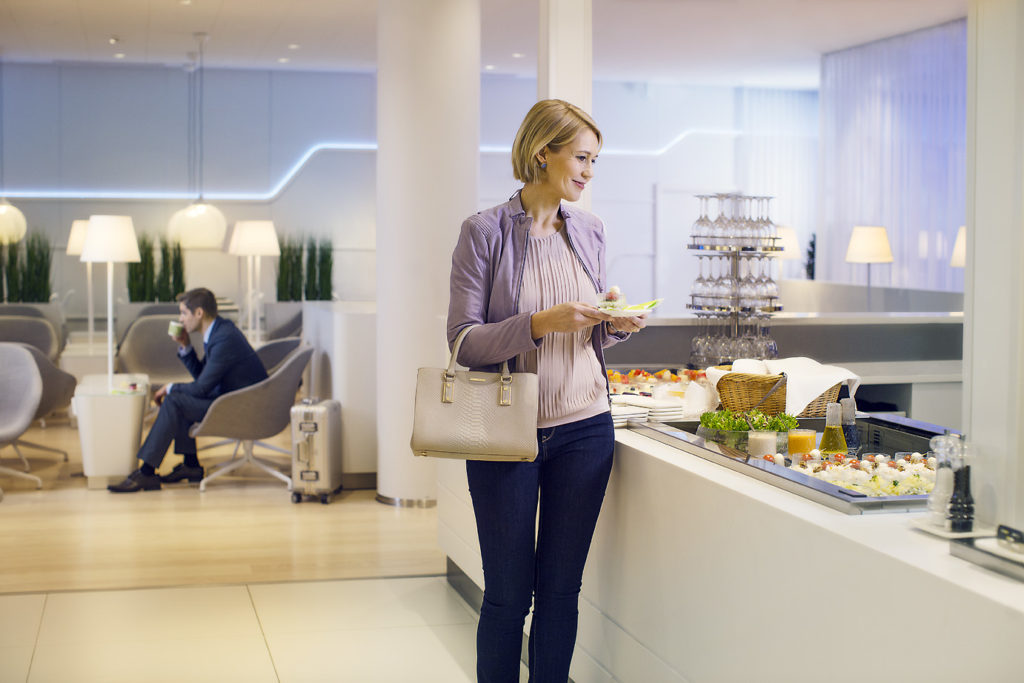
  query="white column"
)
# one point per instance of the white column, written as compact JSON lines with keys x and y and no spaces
{"x":428,"y":130}
{"x":994,"y":281}
{"x":565,"y":57}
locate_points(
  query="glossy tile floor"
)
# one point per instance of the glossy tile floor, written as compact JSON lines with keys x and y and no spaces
{"x":361,"y":630}
{"x":234,"y":584}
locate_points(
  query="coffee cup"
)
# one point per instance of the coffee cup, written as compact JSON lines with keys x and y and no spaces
{"x":175,"y":328}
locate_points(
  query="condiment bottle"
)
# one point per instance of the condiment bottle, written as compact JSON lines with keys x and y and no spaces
{"x":961,"y":503}
{"x":944,"y":448}
{"x":850,"y":431}
{"x":833,"y":442}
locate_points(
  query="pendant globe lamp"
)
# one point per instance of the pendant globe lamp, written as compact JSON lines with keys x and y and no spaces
{"x":199,"y":225}
{"x":12,"y":221}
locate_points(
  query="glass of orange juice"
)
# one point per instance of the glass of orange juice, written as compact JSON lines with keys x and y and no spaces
{"x":801,"y":441}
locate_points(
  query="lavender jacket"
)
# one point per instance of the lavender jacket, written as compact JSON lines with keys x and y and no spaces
{"x":487,"y":277}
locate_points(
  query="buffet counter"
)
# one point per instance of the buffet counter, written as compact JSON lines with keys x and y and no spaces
{"x":912,"y":361}
{"x":702,"y":573}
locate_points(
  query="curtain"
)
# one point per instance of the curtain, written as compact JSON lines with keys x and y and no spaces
{"x":777,"y":156}
{"x":893,"y":153}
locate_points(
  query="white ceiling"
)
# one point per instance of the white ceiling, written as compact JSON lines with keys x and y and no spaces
{"x":755,"y":42}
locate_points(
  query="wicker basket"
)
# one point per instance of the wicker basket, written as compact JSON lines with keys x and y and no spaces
{"x":741,"y":392}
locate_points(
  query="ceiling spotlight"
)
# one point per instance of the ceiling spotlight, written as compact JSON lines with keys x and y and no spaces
{"x":113,"y":40}
{"x":517,"y":55}
{"x":282,"y":60}
{"x":294,"y":46}
{"x":185,"y":2}
{"x":489,"y":67}
{"x":119,"y":55}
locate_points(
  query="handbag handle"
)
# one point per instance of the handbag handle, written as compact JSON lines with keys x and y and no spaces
{"x":448,"y":384}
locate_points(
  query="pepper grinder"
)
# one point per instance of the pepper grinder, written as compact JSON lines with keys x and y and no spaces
{"x":961,"y":504}
{"x":944,"y":447}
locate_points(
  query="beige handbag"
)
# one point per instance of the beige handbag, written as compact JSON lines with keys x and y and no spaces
{"x":475,"y":415}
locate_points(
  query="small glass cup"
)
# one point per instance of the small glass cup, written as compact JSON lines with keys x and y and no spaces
{"x":761,"y":443}
{"x":801,"y":441}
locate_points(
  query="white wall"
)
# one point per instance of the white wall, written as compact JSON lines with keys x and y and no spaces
{"x":112,"y":131}
{"x":102,"y":130}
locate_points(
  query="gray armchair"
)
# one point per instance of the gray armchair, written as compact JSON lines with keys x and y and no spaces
{"x":148,"y":349}
{"x":35,"y":331}
{"x":256,"y":412}
{"x":127,"y":314}
{"x":58,"y":388}
{"x":281,"y":327}
{"x":18,"y":408}
{"x":53,"y":311}
{"x":273,"y":353}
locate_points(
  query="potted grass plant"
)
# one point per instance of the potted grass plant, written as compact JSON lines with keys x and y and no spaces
{"x":312,"y":291}
{"x":35,"y":279}
{"x":324,"y":268}
{"x":142,"y":275}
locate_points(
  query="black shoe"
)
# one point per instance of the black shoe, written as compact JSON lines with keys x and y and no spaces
{"x":137,"y":481}
{"x":182,"y":471}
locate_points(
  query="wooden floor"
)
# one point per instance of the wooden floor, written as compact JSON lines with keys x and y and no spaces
{"x":243,"y":529}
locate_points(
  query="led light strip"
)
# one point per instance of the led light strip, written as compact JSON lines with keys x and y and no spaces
{"x":292,"y":172}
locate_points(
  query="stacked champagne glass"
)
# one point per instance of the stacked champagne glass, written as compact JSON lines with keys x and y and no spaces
{"x":735,"y":294}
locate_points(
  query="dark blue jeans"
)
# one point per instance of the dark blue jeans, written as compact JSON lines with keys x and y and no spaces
{"x":568,"y":480}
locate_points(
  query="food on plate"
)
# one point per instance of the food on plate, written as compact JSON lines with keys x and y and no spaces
{"x":659,"y":384}
{"x":667,"y":375}
{"x":644,"y":307}
{"x":612,"y":299}
{"x":873,"y":478}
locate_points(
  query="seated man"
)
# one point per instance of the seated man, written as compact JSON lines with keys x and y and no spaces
{"x":229,"y":363}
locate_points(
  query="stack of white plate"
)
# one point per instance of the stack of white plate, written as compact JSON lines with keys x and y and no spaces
{"x":658,"y":409}
{"x":622,"y":413}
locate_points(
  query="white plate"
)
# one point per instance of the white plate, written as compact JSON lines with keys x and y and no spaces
{"x":619,"y":313}
{"x":923,"y":524}
{"x":625,"y":312}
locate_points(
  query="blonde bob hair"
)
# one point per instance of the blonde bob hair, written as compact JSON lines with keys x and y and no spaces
{"x":552,"y":124}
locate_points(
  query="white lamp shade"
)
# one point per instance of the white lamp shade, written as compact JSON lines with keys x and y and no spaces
{"x":76,"y":240}
{"x":869,"y":244}
{"x":789,"y":243}
{"x":110,"y":239}
{"x":959,"y":257}
{"x":254,"y":238}
{"x":198,"y":226}
{"x":12,"y":223}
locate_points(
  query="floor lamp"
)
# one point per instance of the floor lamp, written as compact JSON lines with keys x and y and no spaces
{"x":869,"y":244}
{"x":76,"y":240}
{"x":254,"y":239}
{"x":110,"y":239}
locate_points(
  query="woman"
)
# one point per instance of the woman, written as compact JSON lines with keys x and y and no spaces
{"x":529,"y":272}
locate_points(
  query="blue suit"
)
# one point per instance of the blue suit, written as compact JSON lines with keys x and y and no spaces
{"x":229,"y":363}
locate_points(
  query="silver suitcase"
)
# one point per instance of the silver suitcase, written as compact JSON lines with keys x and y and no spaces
{"x":316,"y":450}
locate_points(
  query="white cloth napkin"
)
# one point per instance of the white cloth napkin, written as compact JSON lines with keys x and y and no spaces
{"x":750,"y":366}
{"x":699,"y":400}
{"x":807,"y":379}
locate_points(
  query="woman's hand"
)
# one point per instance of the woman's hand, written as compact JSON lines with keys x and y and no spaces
{"x":633,"y":323}
{"x":571,"y":316}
